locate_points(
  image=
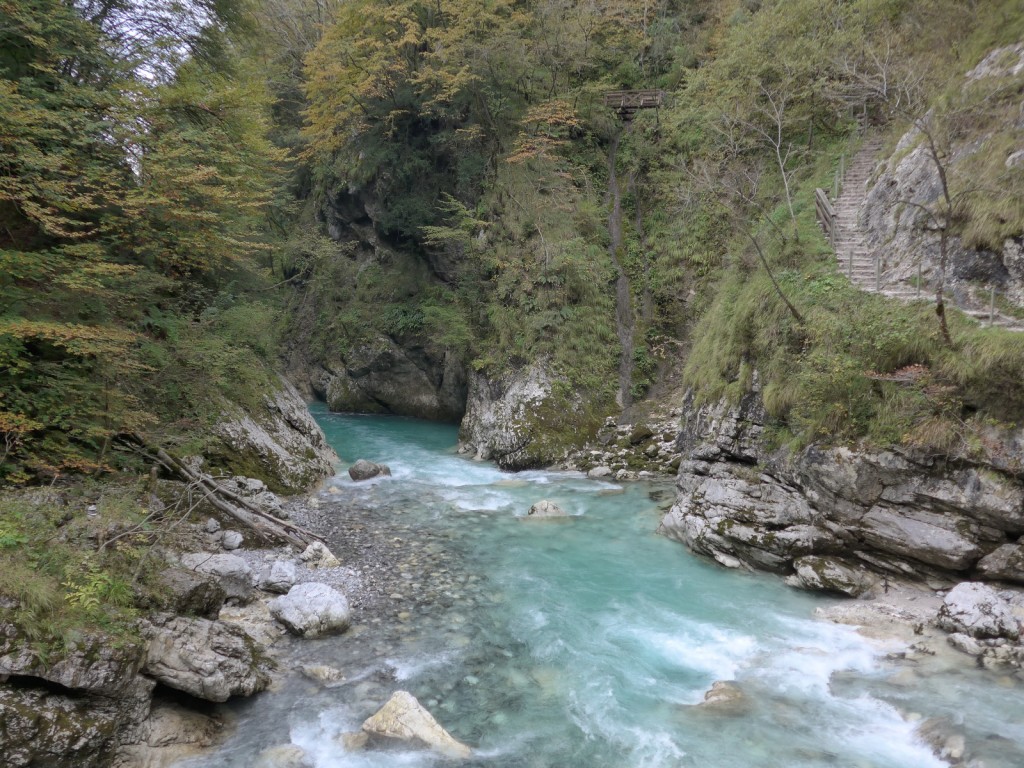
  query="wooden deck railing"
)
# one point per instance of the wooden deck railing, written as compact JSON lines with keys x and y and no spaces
{"x":826,"y":215}
{"x":628,"y":102}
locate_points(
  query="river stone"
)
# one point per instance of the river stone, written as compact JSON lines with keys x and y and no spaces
{"x":977,"y":610}
{"x":323,"y":674}
{"x":231,"y":571}
{"x":311,"y":609}
{"x":546,"y":508}
{"x":365,"y":470}
{"x":279,"y":576}
{"x":598,"y":472}
{"x":283,"y":756}
{"x":317,"y":555}
{"x":725,"y":697}
{"x":231,"y":540}
{"x":211,"y":660}
{"x":829,"y":574}
{"x":404,"y":718}
{"x":1004,"y":564}
{"x":212,"y":526}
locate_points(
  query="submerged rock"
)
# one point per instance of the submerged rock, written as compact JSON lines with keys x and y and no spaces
{"x":725,"y":697}
{"x":977,"y":610}
{"x":404,"y":718}
{"x":210,"y":660}
{"x":830,"y":574}
{"x":323,"y":674}
{"x":311,"y":609}
{"x":366,"y":470}
{"x":283,"y":756}
{"x":546,"y":508}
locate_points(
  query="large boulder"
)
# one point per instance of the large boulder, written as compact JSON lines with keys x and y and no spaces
{"x":188,"y":592}
{"x":230,"y":571}
{"x":405,"y":719}
{"x":546,"y":509}
{"x":278,"y":576}
{"x":312,"y":609}
{"x":366,"y":470}
{"x":977,"y":610}
{"x":830,"y":574}
{"x":1005,"y":563}
{"x":210,"y":660}
{"x":524,"y":418}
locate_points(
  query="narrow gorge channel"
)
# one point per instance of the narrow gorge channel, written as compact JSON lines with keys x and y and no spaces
{"x":588,"y":641}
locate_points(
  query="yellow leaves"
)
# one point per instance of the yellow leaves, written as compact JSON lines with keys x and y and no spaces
{"x":80,"y":340}
{"x":545,"y":128}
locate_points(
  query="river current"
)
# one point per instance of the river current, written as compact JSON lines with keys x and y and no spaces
{"x":588,"y":642}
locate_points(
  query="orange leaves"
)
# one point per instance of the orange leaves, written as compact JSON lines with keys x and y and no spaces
{"x":545,"y":128}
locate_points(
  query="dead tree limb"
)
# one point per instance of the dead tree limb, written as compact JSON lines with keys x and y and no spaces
{"x":227,"y":501}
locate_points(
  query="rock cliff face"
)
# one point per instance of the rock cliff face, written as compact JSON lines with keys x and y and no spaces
{"x":281,"y":443}
{"x":898,"y":228}
{"x":834,"y":516}
{"x":522,"y":419}
{"x":374,"y":362}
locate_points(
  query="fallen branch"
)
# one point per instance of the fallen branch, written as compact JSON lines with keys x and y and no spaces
{"x":227,"y":501}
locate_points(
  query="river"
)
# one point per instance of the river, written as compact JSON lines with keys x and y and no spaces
{"x":588,"y":642}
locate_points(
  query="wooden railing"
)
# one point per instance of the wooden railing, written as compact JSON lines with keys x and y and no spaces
{"x":826,"y":216}
{"x":628,"y":102}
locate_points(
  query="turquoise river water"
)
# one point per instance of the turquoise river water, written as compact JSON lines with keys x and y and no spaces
{"x":588,"y":642}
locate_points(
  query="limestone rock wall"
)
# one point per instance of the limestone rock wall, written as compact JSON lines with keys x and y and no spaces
{"x":281,"y":443}
{"x":901,"y":233}
{"x":882,"y":512}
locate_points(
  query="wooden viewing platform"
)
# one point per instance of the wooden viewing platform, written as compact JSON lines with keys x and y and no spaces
{"x":626,"y":103}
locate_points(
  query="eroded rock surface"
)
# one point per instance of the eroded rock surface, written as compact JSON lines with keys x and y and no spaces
{"x":405,"y":719}
{"x":283,"y":440}
{"x":312,"y":609}
{"x":979,"y":611}
{"x":210,"y":660}
{"x":893,"y":513}
{"x":231,"y":572}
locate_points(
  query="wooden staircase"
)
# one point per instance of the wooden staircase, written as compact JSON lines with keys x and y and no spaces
{"x":855,"y":259}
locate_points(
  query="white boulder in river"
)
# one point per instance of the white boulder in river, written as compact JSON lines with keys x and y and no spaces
{"x":977,"y":610}
{"x":546,"y":508}
{"x":311,"y":609}
{"x":364,"y":470}
{"x":404,"y":718}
